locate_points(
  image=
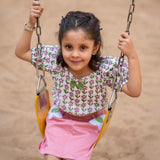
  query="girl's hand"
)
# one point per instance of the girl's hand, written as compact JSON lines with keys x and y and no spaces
{"x":35,"y":11}
{"x":126,"y":45}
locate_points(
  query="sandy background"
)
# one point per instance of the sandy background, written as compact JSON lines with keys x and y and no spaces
{"x":134,"y":133}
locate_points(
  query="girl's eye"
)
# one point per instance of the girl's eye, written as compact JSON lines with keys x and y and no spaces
{"x":83,"y":47}
{"x":68,"y":47}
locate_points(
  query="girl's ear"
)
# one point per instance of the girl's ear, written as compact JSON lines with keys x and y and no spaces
{"x":95,"y":49}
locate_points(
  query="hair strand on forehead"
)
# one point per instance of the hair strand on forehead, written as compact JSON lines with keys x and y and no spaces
{"x":76,"y":23}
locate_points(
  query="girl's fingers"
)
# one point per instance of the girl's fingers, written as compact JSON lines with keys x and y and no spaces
{"x":121,"y":39}
{"x":124,"y":35}
{"x":36,"y":15}
{"x":36,"y":3}
{"x":36,"y":6}
{"x":42,"y":9}
{"x":121,"y":43}
{"x":124,"y":38}
{"x":125,"y":44}
{"x":36,"y":12}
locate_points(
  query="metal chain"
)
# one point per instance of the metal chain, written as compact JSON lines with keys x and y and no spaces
{"x":130,"y":15}
{"x":121,"y":58}
{"x":39,"y":49}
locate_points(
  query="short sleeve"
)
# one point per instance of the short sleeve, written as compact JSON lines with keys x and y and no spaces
{"x":48,"y":57}
{"x":109,"y":67}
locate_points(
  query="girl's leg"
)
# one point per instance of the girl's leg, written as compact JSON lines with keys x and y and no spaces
{"x":50,"y":157}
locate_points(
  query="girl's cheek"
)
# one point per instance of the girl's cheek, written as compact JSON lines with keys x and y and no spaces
{"x":65,"y":57}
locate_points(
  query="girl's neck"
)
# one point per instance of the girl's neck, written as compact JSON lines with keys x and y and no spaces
{"x":81,"y":74}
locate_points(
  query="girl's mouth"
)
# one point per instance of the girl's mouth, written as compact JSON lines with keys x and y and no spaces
{"x":75,"y":62}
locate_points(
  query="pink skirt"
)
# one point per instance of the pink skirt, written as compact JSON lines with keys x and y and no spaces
{"x":69,"y":136}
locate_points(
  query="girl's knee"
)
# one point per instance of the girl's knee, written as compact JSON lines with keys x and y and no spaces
{"x":50,"y":157}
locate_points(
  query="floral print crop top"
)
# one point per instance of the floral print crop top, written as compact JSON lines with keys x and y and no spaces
{"x":82,"y":96}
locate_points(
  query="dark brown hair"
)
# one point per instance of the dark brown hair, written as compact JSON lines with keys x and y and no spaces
{"x":90,"y":24}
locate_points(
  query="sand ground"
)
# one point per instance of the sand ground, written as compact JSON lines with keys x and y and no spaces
{"x":134,"y":133}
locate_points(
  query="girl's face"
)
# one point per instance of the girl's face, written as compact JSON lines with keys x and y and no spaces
{"x":77,"y":50}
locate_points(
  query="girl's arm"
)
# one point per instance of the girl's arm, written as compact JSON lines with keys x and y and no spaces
{"x":133,"y":87}
{"x":23,"y":50}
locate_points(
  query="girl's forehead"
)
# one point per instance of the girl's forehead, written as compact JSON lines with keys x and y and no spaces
{"x":76,"y":35}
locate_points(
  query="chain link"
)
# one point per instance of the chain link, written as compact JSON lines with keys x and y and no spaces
{"x":130,"y":16}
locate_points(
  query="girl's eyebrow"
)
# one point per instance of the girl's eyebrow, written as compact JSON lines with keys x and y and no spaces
{"x":83,"y":44}
{"x":65,"y":42}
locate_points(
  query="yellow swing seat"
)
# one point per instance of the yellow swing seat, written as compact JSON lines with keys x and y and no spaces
{"x":107,"y":119}
{"x":42,"y":106}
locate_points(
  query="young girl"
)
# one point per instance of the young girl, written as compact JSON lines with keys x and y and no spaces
{"x":80,"y":76}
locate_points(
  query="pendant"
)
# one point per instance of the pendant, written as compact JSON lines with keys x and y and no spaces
{"x":72,"y":83}
{"x":79,"y":86}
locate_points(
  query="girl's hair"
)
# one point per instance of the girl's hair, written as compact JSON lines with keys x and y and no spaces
{"x":90,"y":24}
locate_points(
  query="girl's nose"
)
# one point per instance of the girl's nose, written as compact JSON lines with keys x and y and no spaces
{"x":75,"y":53}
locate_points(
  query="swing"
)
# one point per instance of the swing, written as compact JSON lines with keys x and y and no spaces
{"x":42,"y":102}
